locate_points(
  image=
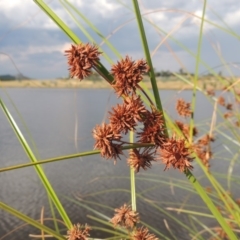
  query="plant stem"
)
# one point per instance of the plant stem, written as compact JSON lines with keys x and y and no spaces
{"x":132,"y":178}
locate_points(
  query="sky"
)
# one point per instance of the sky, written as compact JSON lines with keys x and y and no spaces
{"x":33,"y":45}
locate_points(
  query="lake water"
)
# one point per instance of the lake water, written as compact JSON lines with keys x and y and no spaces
{"x":60,"y":121}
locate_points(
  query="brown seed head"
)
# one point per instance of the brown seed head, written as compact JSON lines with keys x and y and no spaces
{"x":81,"y":58}
{"x":174,"y":153}
{"x":205,"y":140}
{"x":221,"y":101}
{"x":185,"y":129}
{"x":125,"y":217}
{"x":154,"y":117}
{"x":228,"y":115}
{"x":210,"y":92}
{"x":229,"y":106}
{"x":153,"y":130}
{"x":125,"y":117}
{"x":183,"y":108}
{"x":204,"y":154}
{"x":152,"y":134}
{"x":142,"y":160}
{"x":78,"y":232}
{"x":203,"y":150}
{"x":127,"y":75}
{"x":136,"y":107}
{"x":143,"y":234}
{"x":104,"y":136}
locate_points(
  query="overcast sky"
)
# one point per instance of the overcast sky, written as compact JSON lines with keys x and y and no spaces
{"x":30,"y":43}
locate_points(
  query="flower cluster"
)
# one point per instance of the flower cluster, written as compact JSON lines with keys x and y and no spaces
{"x":105,"y":137}
{"x":127,"y":218}
{"x":175,"y":153}
{"x":203,"y":149}
{"x":78,"y":232}
{"x":185,"y":129}
{"x":127,"y":116}
{"x":142,"y":160}
{"x":81,"y":58}
{"x":183,"y":108}
{"x":127,"y":75}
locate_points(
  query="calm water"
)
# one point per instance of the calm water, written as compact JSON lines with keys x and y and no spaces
{"x":60,"y":122}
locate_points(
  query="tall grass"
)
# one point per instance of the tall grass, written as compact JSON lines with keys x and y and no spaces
{"x":227,"y":218}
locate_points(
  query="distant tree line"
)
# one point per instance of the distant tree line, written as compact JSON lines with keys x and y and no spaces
{"x":8,"y":77}
{"x":182,"y":72}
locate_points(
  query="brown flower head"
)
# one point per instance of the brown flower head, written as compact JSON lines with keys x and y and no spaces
{"x":206,"y":139}
{"x":125,"y":217}
{"x":228,"y":115}
{"x":203,"y":150}
{"x":174,"y":152}
{"x":210,"y":92}
{"x":204,"y":154}
{"x":135,"y":106}
{"x":185,"y":129}
{"x":237,"y":123}
{"x":125,"y":117}
{"x":153,"y":130}
{"x":142,"y":160}
{"x":154,"y":117}
{"x":183,"y":108}
{"x":221,"y":101}
{"x":78,"y":232}
{"x":81,"y":59}
{"x":127,"y":75}
{"x":229,"y":106}
{"x":151,"y":134}
{"x":104,"y":136}
{"x":143,"y":234}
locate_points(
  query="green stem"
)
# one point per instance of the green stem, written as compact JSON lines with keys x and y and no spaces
{"x":132,"y":178}
{"x":148,"y":58}
{"x":218,"y":216}
{"x":71,"y":156}
{"x":195,"y":80}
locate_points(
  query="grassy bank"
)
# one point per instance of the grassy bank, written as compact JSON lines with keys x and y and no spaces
{"x":74,"y":83}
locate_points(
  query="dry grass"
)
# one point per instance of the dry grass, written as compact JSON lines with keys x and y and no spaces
{"x":74,"y":83}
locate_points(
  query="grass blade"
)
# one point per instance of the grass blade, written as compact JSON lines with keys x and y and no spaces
{"x":30,"y":221}
{"x":38,"y":168}
{"x":147,"y":54}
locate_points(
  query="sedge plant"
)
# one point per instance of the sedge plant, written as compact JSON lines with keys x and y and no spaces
{"x":160,"y":138}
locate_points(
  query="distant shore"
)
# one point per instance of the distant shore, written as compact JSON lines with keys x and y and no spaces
{"x":74,"y":83}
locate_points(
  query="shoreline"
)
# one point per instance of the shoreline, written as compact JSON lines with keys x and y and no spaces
{"x":101,"y":84}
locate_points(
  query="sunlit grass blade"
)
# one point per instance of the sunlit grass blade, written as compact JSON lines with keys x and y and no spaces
{"x":30,"y":221}
{"x":85,"y":32}
{"x":104,"y":219}
{"x":147,"y":54}
{"x":53,"y":214}
{"x":100,"y":68}
{"x":207,"y":200}
{"x":205,"y":229}
{"x":195,"y":79}
{"x":34,"y":146}
{"x":58,"y":21}
{"x":61,"y":158}
{"x":94,"y":28}
{"x":38,"y":168}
